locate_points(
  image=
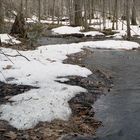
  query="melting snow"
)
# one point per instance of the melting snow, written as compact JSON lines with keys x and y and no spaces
{"x":50,"y":101}
{"x":5,"y":38}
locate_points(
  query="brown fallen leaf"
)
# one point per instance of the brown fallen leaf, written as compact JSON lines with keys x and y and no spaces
{"x":12,"y":135}
{"x":8,"y":67}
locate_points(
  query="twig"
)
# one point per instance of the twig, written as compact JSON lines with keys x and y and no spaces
{"x":8,"y":55}
{"x":22,"y":55}
{"x":3,"y":76}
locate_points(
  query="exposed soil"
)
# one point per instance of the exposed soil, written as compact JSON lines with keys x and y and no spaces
{"x":8,"y":90}
{"x":81,"y":121}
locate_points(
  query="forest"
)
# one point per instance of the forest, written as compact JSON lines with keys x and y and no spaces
{"x":69,"y":69}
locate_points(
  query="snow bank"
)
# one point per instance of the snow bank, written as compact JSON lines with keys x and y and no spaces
{"x":5,"y":38}
{"x":50,"y":101}
{"x":92,"y":33}
{"x":67,"y":30}
{"x":112,"y":44}
{"x":74,"y":30}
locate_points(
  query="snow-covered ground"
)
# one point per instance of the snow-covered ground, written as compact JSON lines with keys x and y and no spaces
{"x":50,"y":101}
{"x":67,"y":30}
{"x":74,"y":30}
{"x":7,"y":39}
{"x":122,"y":29}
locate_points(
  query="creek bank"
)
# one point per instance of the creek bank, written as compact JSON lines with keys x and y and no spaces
{"x":81,"y":121}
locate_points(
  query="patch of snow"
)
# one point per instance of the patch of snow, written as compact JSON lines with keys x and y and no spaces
{"x":74,"y":30}
{"x":50,"y":101}
{"x":112,"y":44}
{"x":7,"y":39}
{"x":92,"y":33}
{"x":67,"y":30}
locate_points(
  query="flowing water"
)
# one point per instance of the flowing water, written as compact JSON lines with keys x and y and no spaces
{"x":120,"y":109}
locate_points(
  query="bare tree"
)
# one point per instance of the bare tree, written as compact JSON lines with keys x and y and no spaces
{"x":1,"y":16}
{"x":39,"y":10}
{"x":128,"y":19}
{"x":134,"y":19}
{"x":78,"y":12}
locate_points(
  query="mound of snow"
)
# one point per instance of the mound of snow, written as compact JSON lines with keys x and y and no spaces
{"x":50,"y":101}
{"x":67,"y":30}
{"x":5,"y":38}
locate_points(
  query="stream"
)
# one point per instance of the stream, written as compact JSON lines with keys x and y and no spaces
{"x":119,"y":110}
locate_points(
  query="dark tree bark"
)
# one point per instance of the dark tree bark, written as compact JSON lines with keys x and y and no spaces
{"x":115,"y":15}
{"x":78,"y":13}
{"x":134,"y":19}
{"x":104,"y":19}
{"x":85,"y":15}
{"x":39,"y":10}
{"x":18,"y":27}
{"x":26,"y":9}
{"x":0,"y":42}
{"x":1,"y":16}
{"x":128,"y":20}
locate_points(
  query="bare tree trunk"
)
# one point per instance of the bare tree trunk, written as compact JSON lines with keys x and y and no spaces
{"x":116,"y":7}
{"x":45,"y":8}
{"x":90,"y":11}
{"x":133,"y":18}
{"x":39,"y":10}
{"x":115,"y":15}
{"x":18,"y":27}
{"x":104,"y":19}
{"x":53,"y":14}
{"x":1,"y":16}
{"x":21,"y":6}
{"x":78,"y":12}
{"x":85,"y":19}
{"x":26,"y":9}
{"x":128,"y":20}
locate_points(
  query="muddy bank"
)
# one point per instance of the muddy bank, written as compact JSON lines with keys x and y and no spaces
{"x":82,"y":120}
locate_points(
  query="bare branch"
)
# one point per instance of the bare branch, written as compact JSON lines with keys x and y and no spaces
{"x":19,"y":54}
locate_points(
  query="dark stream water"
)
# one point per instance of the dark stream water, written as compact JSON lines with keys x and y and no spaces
{"x":120,"y":109}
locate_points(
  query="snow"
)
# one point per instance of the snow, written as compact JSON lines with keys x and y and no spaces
{"x":7,"y":39}
{"x":122,"y":28}
{"x":50,"y":101}
{"x":112,"y":44}
{"x":92,"y":33}
{"x":74,"y":30}
{"x":67,"y":30}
